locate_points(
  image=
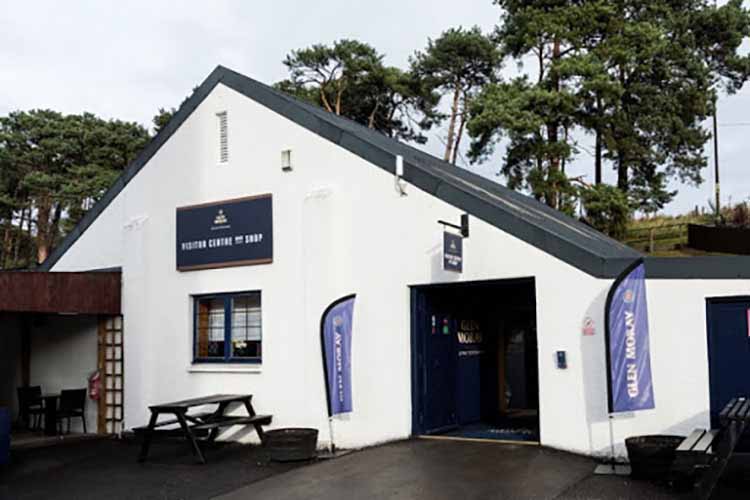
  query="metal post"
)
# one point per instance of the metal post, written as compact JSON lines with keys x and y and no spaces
{"x":331,"y":446}
{"x":612,"y":444}
{"x":716,"y":164}
{"x":716,"y":152}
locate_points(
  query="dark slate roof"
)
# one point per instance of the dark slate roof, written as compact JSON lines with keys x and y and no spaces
{"x":521,"y":216}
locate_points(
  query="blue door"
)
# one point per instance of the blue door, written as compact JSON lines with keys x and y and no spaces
{"x":440,"y":380}
{"x":728,"y":351}
{"x":436,"y":369}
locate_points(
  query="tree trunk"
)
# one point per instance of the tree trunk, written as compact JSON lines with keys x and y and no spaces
{"x":324,"y":100}
{"x":598,"y":158}
{"x":598,"y":144}
{"x":7,"y":241}
{"x":55,"y":226}
{"x":19,"y":234}
{"x":371,"y":118}
{"x":552,"y":133}
{"x":460,"y":132}
{"x":622,"y":164}
{"x":339,"y":95}
{"x":43,"y":212}
{"x":540,"y":56}
{"x":30,"y":235}
{"x":452,"y":124}
{"x":622,"y":172}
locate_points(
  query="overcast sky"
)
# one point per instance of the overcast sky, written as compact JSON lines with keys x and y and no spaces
{"x":126,"y":59}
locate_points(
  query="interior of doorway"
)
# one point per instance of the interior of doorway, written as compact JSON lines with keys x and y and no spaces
{"x":475,"y":362}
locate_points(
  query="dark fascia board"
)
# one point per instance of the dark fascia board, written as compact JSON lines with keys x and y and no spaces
{"x":430,"y":180}
{"x":707,"y":267}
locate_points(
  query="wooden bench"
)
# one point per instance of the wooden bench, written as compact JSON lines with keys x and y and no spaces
{"x":230,"y":421}
{"x":701,"y":458}
{"x":190,"y":423}
{"x":195,"y":417}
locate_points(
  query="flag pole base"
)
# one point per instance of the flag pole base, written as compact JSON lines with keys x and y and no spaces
{"x":327,"y":455}
{"x":612,"y":470}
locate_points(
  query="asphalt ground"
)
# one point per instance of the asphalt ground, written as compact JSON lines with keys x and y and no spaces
{"x":414,"y":469}
{"x":107,"y":469}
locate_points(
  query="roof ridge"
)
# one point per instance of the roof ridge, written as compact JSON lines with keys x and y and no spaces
{"x":519,"y":215}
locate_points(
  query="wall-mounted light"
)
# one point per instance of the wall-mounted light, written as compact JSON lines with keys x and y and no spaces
{"x":286,"y":160}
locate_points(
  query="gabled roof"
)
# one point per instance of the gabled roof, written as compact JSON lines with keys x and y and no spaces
{"x":521,"y":216}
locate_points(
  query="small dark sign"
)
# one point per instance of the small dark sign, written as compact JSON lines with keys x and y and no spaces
{"x":226,"y":233}
{"x":453,"y":255}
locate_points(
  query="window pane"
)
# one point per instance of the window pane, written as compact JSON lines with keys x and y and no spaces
{"x":210,"y":328}
{"x":246,"y":326}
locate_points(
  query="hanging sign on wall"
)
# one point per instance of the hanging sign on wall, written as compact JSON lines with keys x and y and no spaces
{"x":227,"y":233}
{"x":453,"y":252}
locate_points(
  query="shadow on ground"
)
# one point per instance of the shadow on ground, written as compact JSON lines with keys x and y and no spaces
{"x":437,"y":469}
{"x":416,"y":469}
{"x":107,"y":469}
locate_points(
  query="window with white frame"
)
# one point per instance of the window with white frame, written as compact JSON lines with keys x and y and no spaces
{"x":227,"y":328}
{"x":223,"y":137}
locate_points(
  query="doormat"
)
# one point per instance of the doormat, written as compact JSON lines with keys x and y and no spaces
{"x":488,"y":432}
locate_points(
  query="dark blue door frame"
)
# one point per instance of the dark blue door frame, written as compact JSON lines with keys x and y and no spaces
{"x":419,"y":321}
{"x":728,"y":340}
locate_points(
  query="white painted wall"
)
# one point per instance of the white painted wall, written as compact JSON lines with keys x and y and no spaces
{"x":63,"y":355}
{"x":340,"y":227}
{"x":679,"y":363}
{"x":10,"y":361}
{"x":101,"y":245}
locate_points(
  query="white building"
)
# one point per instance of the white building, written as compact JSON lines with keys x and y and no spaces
{"x":342,"y":223}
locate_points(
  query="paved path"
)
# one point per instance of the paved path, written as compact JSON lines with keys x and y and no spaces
{"x":419,"y":469}
{"x":107,"y":470}
{"x":437,"y":469}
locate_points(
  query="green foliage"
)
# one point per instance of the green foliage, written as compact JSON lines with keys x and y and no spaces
{"x":639,"y":76}
{"x":648,"y":192}
{"x":162,"y":117}
{"x":607,"y":209}
{"x":349,"y":78}
{"x":457,"y":63}
{"x":463,"y":58}
{"x":522,"y":113}
{"x":53,"y":167}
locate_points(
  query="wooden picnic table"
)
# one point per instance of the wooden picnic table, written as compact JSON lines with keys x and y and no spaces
{"x":205,"y":421}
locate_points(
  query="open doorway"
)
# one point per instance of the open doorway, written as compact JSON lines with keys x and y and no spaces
{"x":474,"y":360}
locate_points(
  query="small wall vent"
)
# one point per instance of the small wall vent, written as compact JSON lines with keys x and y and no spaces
{"x":223,"y":137}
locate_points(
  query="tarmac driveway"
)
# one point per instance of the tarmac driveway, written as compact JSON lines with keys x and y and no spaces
{"x":415,"y":469}
{"x":107,"y":470}
{"x":439,"y":469}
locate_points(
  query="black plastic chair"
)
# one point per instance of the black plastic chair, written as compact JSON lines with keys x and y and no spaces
{"x":30,"y":409}
{"x":72,"y":405}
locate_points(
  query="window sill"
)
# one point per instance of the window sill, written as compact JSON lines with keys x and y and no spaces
{"x":225,"y":368}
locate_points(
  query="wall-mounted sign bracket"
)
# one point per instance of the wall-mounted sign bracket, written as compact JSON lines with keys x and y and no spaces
{"x":463,"y":228}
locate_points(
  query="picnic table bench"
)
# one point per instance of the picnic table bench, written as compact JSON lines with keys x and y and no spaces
{"x":205,"y":424}
{"x":705,"y":453}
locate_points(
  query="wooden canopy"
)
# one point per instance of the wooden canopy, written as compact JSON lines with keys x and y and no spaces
{"x":73,"y":293}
